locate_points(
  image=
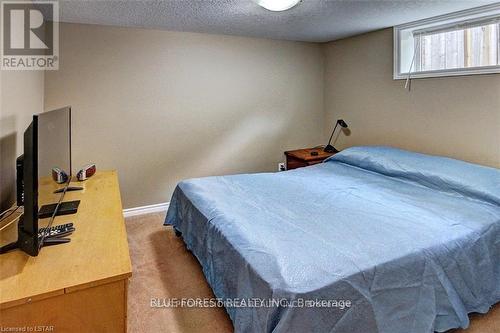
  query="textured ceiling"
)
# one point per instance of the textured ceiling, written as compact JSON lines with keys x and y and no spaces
{"x":310,"y":20}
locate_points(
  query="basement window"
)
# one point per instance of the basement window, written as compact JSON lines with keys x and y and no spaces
{"x":462,"y":43}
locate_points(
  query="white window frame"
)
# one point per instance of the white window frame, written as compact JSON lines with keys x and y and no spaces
{"x":452,"y":18}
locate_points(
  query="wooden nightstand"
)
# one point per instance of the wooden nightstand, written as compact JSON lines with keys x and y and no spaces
{"x":302,"y":157}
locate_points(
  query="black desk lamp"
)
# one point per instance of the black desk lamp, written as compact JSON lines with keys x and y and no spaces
{"x":329,"y":148}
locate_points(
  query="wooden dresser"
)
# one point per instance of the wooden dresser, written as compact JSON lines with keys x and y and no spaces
{"x":304,"y":157}
{"x":80,"y":286}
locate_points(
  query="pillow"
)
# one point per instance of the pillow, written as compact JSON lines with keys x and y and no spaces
{"x":437,"y":172}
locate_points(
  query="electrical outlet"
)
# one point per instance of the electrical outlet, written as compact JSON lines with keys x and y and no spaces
{"x":281,"y":166}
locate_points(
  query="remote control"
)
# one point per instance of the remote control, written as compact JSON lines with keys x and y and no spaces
{"x":55,"y":241}
{"x":56,"y":231}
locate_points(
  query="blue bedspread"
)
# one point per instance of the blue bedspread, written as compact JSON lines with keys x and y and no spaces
{"x":411,"y":240}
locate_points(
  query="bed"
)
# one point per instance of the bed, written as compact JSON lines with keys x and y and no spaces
{"x":375,"y":239}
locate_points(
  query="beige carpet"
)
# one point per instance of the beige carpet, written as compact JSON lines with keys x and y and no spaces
{"x":163,"y":268}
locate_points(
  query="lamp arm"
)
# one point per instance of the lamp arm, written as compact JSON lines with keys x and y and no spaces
{"x":331,"y":136}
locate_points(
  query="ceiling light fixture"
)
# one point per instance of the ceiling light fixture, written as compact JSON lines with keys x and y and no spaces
{"x":277,"y":5}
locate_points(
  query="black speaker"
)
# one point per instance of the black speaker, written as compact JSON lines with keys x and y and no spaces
{"x":20,"y":180}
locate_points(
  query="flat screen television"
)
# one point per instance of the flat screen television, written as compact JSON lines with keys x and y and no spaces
{"x":54,"y":142}
{"x":27,"y":227}
{"x":47,"y":145}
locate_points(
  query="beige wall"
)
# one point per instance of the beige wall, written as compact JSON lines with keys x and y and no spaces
{"x":454,"y":116}
{"x":21,"y":96}
{"x":163,"y":106}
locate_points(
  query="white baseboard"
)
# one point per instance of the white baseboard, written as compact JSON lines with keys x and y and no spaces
{"x":156,"y":208}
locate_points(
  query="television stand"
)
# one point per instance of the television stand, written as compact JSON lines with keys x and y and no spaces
{"x":46,"y":242}
{"x":26,"y":243}
{"x":84,"y":283}
{"x":9,"y":247}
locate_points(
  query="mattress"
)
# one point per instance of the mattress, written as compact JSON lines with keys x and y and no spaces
{"x":375,"y":239}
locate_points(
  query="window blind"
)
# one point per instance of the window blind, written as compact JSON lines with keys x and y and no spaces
{"x":457,"y":26}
